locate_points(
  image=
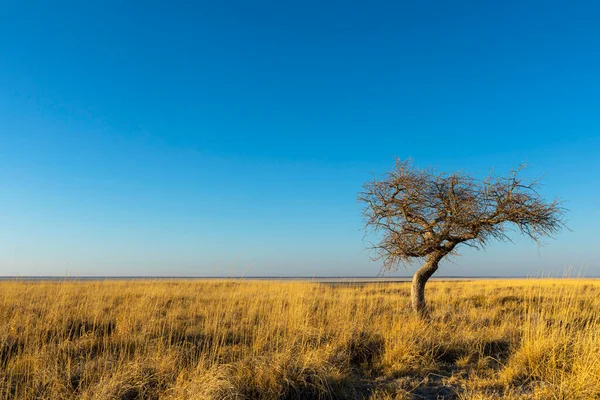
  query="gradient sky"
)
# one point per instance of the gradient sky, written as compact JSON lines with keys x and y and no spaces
{"x":231,"y":138}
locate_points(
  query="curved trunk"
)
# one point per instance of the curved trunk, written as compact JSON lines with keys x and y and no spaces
{"x":420,"y":278}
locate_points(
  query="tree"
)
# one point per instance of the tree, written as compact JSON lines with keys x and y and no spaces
{"x":421,"y":214}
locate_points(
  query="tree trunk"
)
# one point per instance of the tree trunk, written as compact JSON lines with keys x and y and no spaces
{"x":418,"y":284}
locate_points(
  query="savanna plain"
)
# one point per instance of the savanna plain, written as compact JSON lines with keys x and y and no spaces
{"x":244,"y":339}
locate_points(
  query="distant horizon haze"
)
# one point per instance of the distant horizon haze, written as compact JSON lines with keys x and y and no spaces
{"x":320,"y":279}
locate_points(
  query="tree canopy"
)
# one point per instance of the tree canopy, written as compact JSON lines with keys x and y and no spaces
{"x":419,"y":213}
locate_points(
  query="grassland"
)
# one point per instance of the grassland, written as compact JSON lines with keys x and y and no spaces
{"x":522,"y":339}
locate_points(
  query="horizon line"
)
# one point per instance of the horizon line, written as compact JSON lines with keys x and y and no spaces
{"x":276,"y":277}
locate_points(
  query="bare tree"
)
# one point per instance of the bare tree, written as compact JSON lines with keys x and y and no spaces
{"x":421,"y":214}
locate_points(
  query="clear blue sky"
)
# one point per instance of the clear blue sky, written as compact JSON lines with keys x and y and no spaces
{"x":147,"y":138}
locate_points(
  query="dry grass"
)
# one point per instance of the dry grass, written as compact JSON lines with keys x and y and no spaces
{"x":529,"y":339}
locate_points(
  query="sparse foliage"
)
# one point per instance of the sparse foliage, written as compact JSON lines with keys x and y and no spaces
{"x":423,"y":214}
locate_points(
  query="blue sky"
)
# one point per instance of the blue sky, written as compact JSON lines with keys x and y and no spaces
{"x":230,"y":138}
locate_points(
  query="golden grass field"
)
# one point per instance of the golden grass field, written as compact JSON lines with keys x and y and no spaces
{"x":190,"y":339}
